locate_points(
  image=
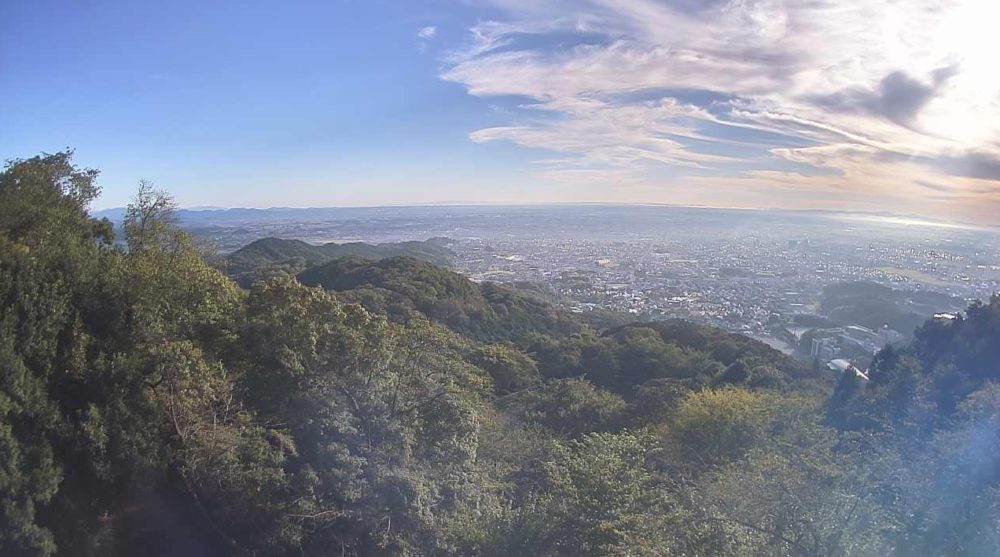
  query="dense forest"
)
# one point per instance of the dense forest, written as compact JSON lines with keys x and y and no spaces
{"x":873,"y":305}
{"x":272,"y":257}
{"x":349,"y":406}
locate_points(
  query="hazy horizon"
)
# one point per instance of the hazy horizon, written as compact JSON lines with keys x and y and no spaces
{"x":884,"y":218}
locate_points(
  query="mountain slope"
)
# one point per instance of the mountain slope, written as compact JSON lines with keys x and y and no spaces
{"x":400,"y":285}
{"x":276,"y":256}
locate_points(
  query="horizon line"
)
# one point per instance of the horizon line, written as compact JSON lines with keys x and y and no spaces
{"x":914,"y":218}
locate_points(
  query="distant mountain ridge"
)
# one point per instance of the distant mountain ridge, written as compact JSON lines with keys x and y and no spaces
{"x":198,"y":217}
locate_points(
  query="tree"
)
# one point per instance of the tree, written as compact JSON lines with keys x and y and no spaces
{"x":150,"y":220}
{"x":50,"y":251}
{"x":571,"y":407}
{"x":714,"y":427}
{"x":807,"y":498}
{"x":599,"y":497}
{"x":510,"y":367}
{"x":44,"y":202}
{"x":384,"y":417}
{"x":955,"y":508}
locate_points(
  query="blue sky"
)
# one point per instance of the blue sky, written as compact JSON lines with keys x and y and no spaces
{"x":248,"y":103}
{"x":840,"y":104}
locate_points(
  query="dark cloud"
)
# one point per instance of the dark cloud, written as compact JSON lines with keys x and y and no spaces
{"x":973,"y":164}
{"x":943,"y":74}
{"x":984,"y":166}
{"x":898,"y":97}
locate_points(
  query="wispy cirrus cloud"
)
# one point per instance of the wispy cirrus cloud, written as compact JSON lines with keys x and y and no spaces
{"x":868,"y":99}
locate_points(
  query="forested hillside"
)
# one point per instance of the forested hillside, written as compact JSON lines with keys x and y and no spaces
{"x":873,"y":305}
{"x":398,"y":286}
{"x":150,"y":405}
{"x":271,"y":257}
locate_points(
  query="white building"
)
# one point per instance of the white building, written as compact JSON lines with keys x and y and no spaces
{"x":844,"y":366}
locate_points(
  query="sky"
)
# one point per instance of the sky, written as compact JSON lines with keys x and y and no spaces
{"x":858,"y":105}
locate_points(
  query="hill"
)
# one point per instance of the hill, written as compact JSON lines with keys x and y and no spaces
{"x":269,"y":257}
{"x":399,"y":286}
{"x":873,"y":305}
{"x":561,"y":344}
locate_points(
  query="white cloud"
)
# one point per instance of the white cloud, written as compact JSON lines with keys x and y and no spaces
{"x":862,"y":89}
{"x":427,"y":33}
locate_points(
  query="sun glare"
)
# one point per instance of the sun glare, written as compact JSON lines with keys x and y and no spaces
{"x":968,"y":38}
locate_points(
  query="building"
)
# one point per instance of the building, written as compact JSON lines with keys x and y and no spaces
{"x":823,"y":348}
{"x":844,"y":366}
{"x":852,"y":339}
{"x":860,"y":337}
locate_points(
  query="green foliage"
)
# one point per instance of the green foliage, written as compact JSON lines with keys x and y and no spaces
{"x":958,"y":513}
{"x":511,"y":368}
{"x":403,"y":286}
{"x":937,"y":400}
{"x":810,"y":497}
{"x":598,"y":496}
{"x":873,"y":305}
{"x":50,"y":251}
{"x":381,"y":415}
{"x":726,"y":348}
{"x":719,"y":426}
{"x":570,"y":407}
{"x":272,"y":257}
{"x":656,"y":401}
{"x":44,"y":202}
{"x":29,"y":477}
{"x":626,"y":357}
